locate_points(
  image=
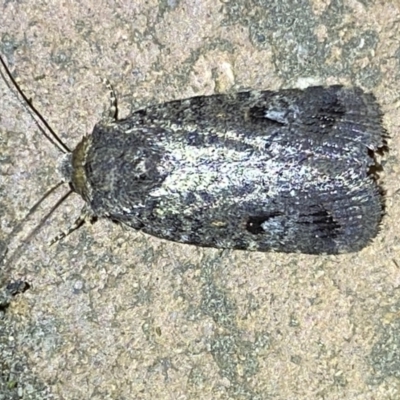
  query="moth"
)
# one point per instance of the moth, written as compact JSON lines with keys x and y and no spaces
{"x":287,"y":171}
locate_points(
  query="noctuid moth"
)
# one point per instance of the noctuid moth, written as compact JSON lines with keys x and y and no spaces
{"x":289,"y":171}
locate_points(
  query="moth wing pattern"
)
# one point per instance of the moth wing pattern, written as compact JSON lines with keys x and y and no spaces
{"x":288,"y":171}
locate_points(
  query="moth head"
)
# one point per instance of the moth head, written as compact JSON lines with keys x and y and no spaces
{"x":64,"y":167}
{"x":71,"y":168}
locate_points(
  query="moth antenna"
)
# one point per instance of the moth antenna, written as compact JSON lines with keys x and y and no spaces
{"x":32,"y":210}
{"x":52,"y":137}
{"x":20,"y":249}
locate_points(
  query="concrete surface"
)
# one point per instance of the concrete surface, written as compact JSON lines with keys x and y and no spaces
{"x":115,"y":314}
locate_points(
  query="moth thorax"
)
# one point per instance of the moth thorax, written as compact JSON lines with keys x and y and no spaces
{"x":78,"y":174}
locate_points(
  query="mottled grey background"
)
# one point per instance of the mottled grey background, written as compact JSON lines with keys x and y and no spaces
{"x":114,"y":314}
